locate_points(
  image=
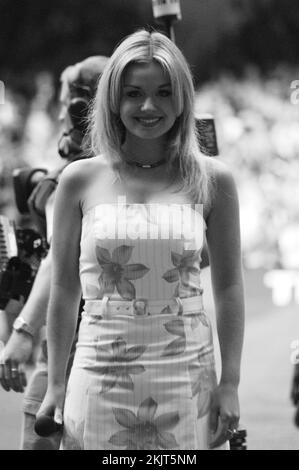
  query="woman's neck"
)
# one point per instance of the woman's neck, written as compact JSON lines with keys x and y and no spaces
{"x":144,"y":151}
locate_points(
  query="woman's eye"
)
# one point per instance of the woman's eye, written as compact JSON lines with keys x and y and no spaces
{"x":133,"y":94}
{"x":164,"y":93}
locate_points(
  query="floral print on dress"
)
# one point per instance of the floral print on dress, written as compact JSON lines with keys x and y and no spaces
{"x":203,"y":379}
{"x":70,"y":439}
{"x":119,"y":367}
{"x":117,"y":416}
{"x":144,"y":431}
{"x":185,"y":266}
{"x":178,"y":345}
{"x":166,"y":310}
{"x":116,"y":273}
{"x":198,"y":318}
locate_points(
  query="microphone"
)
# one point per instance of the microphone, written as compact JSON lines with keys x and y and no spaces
{"x":167,"y":8}
{"x":167,"y":12}
{"x":45,"y":426}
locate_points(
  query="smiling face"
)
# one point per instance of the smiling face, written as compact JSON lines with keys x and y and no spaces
{"x":147,"y":107}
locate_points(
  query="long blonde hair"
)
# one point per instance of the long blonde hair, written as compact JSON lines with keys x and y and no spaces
{"x":107,"y":130}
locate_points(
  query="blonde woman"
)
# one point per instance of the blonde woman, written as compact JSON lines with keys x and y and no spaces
{"x":129,"y":226}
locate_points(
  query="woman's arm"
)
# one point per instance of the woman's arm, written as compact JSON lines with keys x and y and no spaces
{"x":223,"y":237}
{"x":65,"y":285}
{"x":20,"y":343}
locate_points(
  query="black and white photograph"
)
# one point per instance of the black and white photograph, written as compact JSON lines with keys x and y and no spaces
{"x":149,"y":227}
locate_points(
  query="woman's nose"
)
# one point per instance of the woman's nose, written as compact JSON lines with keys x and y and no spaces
{"x":148,"y":104}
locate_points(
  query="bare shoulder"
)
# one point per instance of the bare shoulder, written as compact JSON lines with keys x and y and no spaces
{"x":78,"y":175}
{"x":218,"y":170}
{"x":81,"y":170}
{"x":224,"y":182}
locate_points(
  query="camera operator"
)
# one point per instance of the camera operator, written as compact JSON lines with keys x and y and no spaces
{"x":78,"y":83}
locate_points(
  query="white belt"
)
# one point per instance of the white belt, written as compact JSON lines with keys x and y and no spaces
{"x":141,"y":306}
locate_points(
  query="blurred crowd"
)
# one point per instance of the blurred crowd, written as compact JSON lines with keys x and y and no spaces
{"x":258,"y":136}
{"x":258,"y":133}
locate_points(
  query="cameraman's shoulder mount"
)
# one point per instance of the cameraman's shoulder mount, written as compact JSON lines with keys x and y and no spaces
{"x":32,"y":188}
{"x":40,"y":195}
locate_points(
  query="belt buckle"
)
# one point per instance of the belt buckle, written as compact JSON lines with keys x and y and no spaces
{"x":140,"y":307}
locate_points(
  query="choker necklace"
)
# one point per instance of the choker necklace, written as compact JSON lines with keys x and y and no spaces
{"x":147,"y":165}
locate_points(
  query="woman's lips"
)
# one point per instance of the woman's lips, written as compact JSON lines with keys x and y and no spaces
{"x":148,"y":122}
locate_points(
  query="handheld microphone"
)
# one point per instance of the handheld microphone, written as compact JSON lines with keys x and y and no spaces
{"x":45,"y":426}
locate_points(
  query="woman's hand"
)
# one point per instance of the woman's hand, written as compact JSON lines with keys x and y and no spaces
{"x":12,"y":359}
{"x":224,"y":414}
{"x":52,"y":404}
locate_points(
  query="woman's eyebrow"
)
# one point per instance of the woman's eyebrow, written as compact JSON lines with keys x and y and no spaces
{"x":135,"y":86}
